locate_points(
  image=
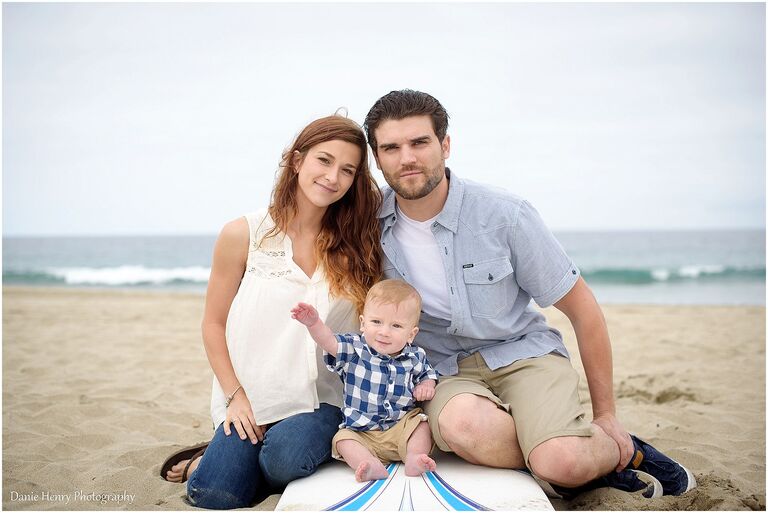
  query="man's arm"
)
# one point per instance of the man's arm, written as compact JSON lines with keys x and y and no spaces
{"x":321,"y":334}
{"x":581,"y":308}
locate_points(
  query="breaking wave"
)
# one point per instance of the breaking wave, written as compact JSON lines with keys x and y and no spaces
{"x":639,"y":276}
{"x":124,"y":275}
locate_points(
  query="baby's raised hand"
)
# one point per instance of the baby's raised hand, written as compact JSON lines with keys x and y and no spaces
{"x":305,"y":314}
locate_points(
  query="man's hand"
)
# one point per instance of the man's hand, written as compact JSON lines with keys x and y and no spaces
{"x":425,"y":390}
{"x":610,"y":424}
{"x":305,"y":314}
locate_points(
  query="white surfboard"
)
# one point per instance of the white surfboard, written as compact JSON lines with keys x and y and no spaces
{"x":455,"y":486}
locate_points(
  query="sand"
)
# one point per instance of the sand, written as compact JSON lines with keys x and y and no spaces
{"x":100,"y":386}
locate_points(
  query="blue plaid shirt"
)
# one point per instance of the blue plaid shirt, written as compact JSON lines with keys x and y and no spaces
{"x":378,"y":388}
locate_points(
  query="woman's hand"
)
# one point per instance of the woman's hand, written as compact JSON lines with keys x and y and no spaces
{"x":240,"y":415}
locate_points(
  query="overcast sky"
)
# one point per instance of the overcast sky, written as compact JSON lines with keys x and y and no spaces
{"x":171,"y":118}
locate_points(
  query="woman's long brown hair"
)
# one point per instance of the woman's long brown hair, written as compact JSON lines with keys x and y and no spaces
{"x":348,"y":244}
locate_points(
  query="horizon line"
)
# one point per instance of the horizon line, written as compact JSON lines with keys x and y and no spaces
{"x":665,"y":229}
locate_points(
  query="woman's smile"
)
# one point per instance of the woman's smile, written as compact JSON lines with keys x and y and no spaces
{"x":328,"y":189}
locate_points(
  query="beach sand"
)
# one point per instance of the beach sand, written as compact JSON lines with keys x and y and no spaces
{"x":100,"y":386}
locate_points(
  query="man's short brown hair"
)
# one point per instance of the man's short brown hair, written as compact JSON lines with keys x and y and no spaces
{"x":403,"y":104}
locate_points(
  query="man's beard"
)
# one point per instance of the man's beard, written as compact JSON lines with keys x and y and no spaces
{"x":433,"y":180}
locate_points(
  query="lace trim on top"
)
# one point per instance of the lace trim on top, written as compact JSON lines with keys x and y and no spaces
{"x":266,"y":260}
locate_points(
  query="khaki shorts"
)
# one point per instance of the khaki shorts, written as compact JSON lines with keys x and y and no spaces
{"x":389,"y":445}
{"x":540,"y":393}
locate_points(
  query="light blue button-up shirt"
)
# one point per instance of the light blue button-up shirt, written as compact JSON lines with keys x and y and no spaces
{"x":497,"y":255}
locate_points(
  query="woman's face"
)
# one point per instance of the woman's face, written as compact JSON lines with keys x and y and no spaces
{"x":327,"y":172}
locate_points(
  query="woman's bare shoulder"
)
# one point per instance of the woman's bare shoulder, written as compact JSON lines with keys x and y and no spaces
{"x":236,"y":227}
{"x":234,"y":235}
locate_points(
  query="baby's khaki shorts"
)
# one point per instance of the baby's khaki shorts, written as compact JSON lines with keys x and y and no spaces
{"x":389,"y":445}
{"x":540,"y":393}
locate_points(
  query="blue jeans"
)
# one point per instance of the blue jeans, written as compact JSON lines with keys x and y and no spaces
{"x":234,"y":473}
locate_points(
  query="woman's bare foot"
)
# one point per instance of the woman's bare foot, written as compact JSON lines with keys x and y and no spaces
{"x":174,"y":475}
{"x":370,"y":471}
{"x":417,"y":464}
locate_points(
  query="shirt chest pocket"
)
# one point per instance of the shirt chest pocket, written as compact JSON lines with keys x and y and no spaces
{"x":488,"y":287}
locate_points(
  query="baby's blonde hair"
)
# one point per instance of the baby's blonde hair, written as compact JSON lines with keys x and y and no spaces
{"x":394,"y":292}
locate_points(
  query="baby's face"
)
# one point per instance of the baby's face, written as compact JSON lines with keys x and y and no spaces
{"x":388,"y":327}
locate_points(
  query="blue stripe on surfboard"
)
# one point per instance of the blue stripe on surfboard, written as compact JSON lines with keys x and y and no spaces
{"x":452,"y":496}
{"x":362,"y":496}
{"x":433,"y":490}
{"x":452,"y":502}
{"x":387,"y":482}
{"x":458,"y":494}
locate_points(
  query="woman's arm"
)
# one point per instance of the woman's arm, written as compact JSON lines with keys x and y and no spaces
{"x":230,"y":255}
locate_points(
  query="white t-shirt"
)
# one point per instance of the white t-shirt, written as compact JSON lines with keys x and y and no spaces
{"x":423,"y":264}
{"x":274,"y":356}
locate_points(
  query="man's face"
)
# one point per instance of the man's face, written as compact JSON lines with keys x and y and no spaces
{"x":410,"y":156}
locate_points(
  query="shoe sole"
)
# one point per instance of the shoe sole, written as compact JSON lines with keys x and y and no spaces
{"x":691,"y":480}
{"x":645,"y":477}
{"x":658,"y":490}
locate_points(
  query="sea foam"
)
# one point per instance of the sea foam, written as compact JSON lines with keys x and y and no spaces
{"x":687,"y":273}
{"x":130,"y":275}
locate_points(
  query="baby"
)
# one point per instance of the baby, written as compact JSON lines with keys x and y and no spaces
{"x":383,"y":376}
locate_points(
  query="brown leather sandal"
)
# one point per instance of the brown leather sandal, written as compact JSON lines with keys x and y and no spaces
{"x":189,"y":453}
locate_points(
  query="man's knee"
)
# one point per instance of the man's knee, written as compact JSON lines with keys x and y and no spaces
{"x":463,"y":419}
{"x":563,"y":461}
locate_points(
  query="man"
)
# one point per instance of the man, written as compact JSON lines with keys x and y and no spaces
{"x":508,"y":396}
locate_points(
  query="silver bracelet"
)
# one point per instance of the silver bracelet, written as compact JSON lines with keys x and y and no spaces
{"x":232,"y":395}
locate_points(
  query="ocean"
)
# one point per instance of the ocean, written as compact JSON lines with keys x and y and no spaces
{"x":654,"y":267}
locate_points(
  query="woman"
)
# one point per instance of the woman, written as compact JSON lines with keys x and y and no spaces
{"x":274,"y":405}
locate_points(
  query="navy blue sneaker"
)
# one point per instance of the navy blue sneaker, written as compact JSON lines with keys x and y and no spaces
{"x":633,"y":481}
{"x":674,"y":478}
{"x":626,"y":480}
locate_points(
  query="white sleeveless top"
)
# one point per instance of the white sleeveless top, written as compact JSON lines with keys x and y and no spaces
{"x":274,"y":357}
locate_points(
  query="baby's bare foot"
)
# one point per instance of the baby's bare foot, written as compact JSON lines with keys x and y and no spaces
{"x":175,"y":473}
{"x":366,"y":471}
{"x":417,"y":464}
